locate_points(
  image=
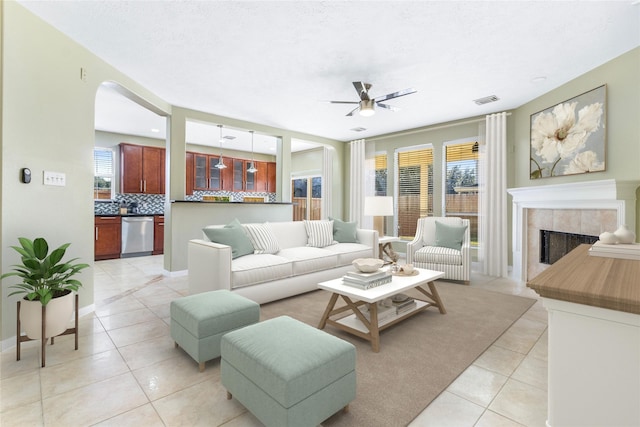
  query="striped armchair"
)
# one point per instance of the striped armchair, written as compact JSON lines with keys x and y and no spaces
{"x":422,"y":251}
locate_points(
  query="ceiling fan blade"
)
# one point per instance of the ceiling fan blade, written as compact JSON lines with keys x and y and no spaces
{"x":342,"y":102}
{"x":353,"y":111}
{"x":363,"y":90}
{"x":388,"y":107}
{"x":404,"y":92}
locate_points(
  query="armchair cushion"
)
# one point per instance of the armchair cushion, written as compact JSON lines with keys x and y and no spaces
{"x":438,"y":255}
{"x":449,"y":236}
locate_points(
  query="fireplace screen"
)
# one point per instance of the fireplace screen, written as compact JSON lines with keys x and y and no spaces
{"x":554,"y":244}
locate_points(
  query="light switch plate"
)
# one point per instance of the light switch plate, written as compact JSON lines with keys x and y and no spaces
{"x":58,"y":179}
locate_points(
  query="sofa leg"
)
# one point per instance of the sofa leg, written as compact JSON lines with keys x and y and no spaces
{"x":175,"y":345}
{"x":345,"y":409}
{"x":466,"y":282}
{"x":201,"y":366}
{"x":229,"y":395}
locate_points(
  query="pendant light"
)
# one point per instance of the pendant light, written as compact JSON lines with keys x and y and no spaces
{"x":252,"y":166}
{"x":220,"y":164}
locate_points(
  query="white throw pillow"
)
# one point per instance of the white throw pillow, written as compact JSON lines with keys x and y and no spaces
{"x":319,"y":233}
{"x":262,"y":238}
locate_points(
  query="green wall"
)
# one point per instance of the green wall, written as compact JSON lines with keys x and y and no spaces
{"x":622,"y":77}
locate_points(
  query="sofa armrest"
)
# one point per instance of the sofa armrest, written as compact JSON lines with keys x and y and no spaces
{"x":369,"y":238}
{"x":209,"y":266}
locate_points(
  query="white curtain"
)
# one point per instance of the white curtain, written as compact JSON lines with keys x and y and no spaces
{"x":361,"y":181}
{"x":327,"y":182}
{"x":492,"y":177}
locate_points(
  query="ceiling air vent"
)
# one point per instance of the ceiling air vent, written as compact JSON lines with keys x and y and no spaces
{"x":358,"y":129}
{"x":486,"y":100}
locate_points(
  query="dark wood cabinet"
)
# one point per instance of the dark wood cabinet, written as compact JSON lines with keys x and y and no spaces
{"x":158,"y":234}
{"x":142,"y":169}
{"x":271,"y":177}
{"x":203,"y":175}
{"x":260,"y":177}
{"x":238,"y":175}
{"x":190,"y":173}
{"x":107,"y":237}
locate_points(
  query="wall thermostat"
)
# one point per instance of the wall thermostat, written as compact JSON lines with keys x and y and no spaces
{"x":25,"y":175}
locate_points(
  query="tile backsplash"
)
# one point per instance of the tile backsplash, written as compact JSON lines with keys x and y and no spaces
{"x":154,"y":203}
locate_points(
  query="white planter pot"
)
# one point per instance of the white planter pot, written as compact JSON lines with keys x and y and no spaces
{"x":59,"y":314}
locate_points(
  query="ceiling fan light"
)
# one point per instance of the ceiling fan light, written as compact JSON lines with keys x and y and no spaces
{"x":366,"y":108}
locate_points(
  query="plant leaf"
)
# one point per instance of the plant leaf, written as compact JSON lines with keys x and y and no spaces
{"x":40,"y":248}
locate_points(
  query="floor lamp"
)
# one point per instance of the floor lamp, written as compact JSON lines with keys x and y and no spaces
{"x":378,"y":207}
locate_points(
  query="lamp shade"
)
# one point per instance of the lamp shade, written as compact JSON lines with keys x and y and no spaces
{"x":378,"y":206}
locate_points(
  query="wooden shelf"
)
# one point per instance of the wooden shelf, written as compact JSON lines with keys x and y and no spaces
{"x":353,"y":322}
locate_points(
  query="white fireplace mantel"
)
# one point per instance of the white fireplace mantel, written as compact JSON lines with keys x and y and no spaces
{"x":603,"y":194}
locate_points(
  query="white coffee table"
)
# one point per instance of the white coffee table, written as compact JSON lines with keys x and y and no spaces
{"x":357,"y":324}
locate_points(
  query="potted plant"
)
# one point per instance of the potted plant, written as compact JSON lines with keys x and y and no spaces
{"x":46,"y":281}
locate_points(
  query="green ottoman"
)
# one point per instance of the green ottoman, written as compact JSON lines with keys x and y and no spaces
{"x":199,"y":321}
{"x":288,"y":373}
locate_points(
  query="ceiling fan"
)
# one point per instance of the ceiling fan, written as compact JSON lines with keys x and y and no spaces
{"x":366,"y":105}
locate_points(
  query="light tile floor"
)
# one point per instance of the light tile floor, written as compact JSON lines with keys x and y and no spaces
{"x":127,"y":372}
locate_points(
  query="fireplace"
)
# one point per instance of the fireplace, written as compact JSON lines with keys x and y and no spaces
{"x":586,"y":208}
{"x":556,"y":244}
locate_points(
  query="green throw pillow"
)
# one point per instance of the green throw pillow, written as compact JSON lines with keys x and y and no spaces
{"x":344,"y":232}
{"x":232,"y":235}
{"x":449,"y":236}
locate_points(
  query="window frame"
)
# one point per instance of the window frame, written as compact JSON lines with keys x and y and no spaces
{"x":111,"y":176}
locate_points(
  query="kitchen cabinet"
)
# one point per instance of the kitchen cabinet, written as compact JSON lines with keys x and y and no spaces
{"x":227,"y":175}
{"x":271,"y":177}
{"x":260,"y":177}
{"x":158,"y":234}
{"x":142,"y":169}
{"x":190,"y":172}
{"x":249,"y":178}
{"x":238,"y":175}
{"x":107,"y":237}
{"x":206,"y":175}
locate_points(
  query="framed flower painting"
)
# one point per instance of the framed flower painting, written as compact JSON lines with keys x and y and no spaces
{"x":569,"y":138}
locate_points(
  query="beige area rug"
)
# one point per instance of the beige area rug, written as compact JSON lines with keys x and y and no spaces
{"x":418,"y":357}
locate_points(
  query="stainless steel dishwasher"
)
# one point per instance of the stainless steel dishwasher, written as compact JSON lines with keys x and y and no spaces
{"x":137,"y":235}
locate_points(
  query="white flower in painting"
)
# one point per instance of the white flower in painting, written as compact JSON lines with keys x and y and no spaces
{"x":586,"y":161}
{"x":557,"y":134}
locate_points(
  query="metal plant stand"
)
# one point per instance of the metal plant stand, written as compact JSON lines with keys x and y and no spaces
{"x":23,"y":338}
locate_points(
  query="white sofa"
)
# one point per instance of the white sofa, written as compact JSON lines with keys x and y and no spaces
{"x":295,"y":269}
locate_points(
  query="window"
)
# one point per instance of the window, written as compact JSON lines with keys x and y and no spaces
{"x":306,"y":194}
{"x":102,"y":173}
{"x":381,"y":174}
{"x":461,"y":183}
{"x":414,"y":178}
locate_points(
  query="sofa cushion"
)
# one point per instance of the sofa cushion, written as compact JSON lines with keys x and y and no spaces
{"x":344,"y":232}
{"x":319,"y":233}
{"x":347,"y":252}
{"x":232,"y":235}
{"x":438,"y":255}
{"x":262,"y":238}
{"x":449,"y":236}
{"x":307,"y":259}
{"x":290,"y":234}
{"x":259,"y":268}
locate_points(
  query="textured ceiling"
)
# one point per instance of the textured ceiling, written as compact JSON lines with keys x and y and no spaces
{"x":274,"y":62}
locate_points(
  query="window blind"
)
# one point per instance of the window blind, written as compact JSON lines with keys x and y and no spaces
{"x":414,"y":177}
{"x":102,"y":173}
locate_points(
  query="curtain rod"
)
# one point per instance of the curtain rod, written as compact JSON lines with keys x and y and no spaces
{"x":411,"y":132}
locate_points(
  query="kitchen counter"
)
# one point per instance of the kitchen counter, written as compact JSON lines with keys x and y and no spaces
{"x":577,"y":277}
{"x":594,"y":339}
{"x":130,"y":214}
{"x":230,"y":203}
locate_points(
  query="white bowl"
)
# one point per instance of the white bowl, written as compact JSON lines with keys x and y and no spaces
{"x":368,"y":265}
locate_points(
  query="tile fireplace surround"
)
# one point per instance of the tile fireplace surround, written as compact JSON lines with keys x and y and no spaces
{"x":583,"y":208}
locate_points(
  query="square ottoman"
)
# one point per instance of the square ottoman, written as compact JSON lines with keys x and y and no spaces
{"x":288,"y":373}
{"x":198,"y":322}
